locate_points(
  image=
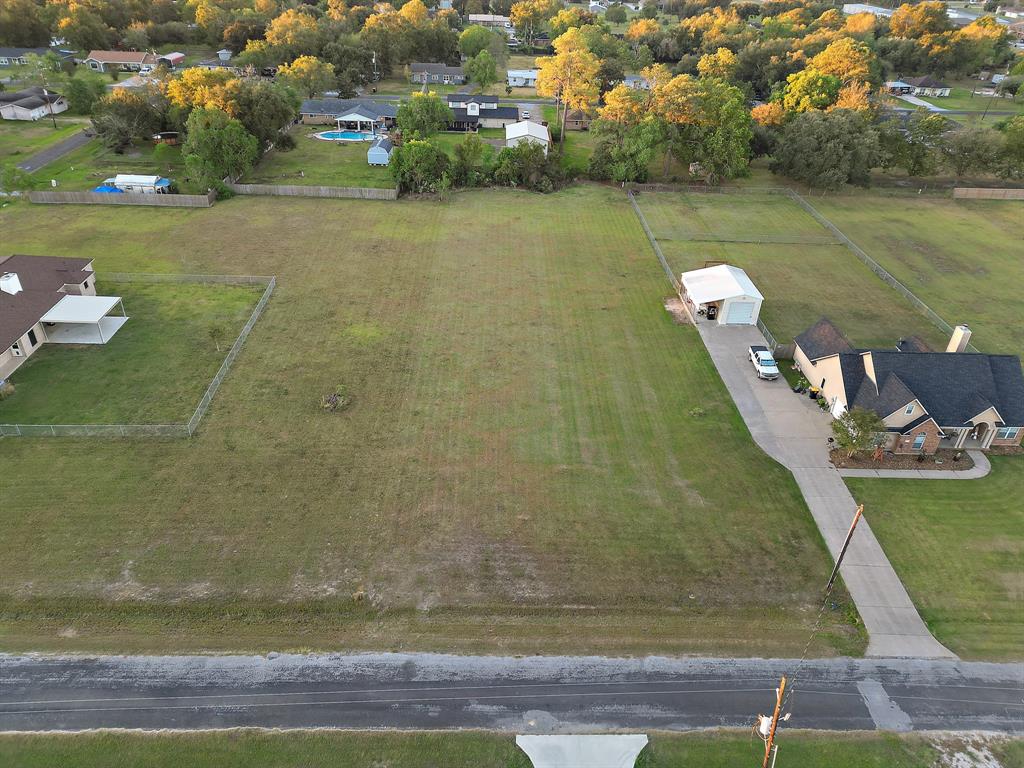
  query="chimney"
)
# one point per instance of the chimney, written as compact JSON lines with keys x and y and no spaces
{"x":960,"y":339}
{"x":9,"y":283}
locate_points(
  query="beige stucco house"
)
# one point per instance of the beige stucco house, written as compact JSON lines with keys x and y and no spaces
{"x":926,"y":399}
{"x":44,"y":299}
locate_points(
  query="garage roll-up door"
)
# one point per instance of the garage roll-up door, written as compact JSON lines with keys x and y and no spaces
{"x":740,"y":313}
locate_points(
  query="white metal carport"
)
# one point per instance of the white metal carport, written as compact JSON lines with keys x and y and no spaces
{"x":83,"y":320}
{"x":603,"y":751}
{"x":724,"y":289}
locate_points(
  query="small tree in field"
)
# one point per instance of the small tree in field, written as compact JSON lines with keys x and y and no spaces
{"x":857,"y":430}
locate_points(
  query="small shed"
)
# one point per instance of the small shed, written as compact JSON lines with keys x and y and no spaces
{"x":380,"y":151}
{"x":527,"y":131}
{"x":723,"y":294}
{"x":171,"y":60}
{"x":130,"y":182}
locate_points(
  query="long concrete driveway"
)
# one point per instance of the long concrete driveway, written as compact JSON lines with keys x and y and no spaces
{"x":794,"y":431}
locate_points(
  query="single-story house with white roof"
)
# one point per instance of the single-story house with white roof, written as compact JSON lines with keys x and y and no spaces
{"x":49,"y":299}
{"x":528,"y":131}
{"x":722,"y":293}
{"x":380,"y":151}
{"x":522,"y":78}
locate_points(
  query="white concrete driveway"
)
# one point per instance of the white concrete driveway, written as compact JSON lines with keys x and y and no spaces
{"x":794,"y":431}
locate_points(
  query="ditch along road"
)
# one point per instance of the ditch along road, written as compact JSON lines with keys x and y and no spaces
{"x":523,"y":695}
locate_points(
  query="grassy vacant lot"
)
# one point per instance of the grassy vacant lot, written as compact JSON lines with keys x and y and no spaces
{"x":316,"y":162}
{"x":961,"y":99}
{"x":307,"y":749}
{"x":957,"y":547}
{"x":962,"y":257}
{"x":20,"y":140}
{"x":536,"y":457}
{"x":89,"y":165}
{"x":152,"y":372}
{"x":789,"y":256}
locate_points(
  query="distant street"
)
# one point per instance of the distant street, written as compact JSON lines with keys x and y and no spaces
{"x":54,"y":152}
{"x":534,"y":694}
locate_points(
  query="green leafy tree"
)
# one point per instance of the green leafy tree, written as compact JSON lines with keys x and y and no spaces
{"x":307,"y":75}
{"x":82,"y":93}
{"x":827,"y":149}
{"x":13,"y":179}
{"x":720,"y":141}
{"x":474,"y":39}
{"x":418,"y":166}
{"x":263,"y":108}
{"x":122,"y":116}
{"x":857,"y":430}
{"x":468,"y":169}
{"x":810,"y":89}
{"x":482,"y":70}
{"x":1010,"y":164}
{"x":623,"y":153}
{"x":163,"y":156}
{"x":423,"y":115}
{"x":972,"y":149}
{"x":524,"y":165}
{"x":22,"y":24}
{"x":217,"y":146}
{"x":918,"y":148}
{"x":616,"y":15}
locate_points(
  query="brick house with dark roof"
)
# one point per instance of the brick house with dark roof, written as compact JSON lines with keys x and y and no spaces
{"x":926,"y":399}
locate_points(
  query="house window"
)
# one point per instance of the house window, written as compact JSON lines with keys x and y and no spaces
{"x":32,"y":337}
{"x":909,"y":409}
{"x":1007,"y":433}
{"x":822,"y":384}
{"x":16,"y":349}
{"x":919,"y":441}
{"x":85,"y":284}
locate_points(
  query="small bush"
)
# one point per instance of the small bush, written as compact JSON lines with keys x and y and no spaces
{"x":336,"y":401}
{"x":223,"y":191}
{"x":286,"y":143}
{"x":6,"y":390}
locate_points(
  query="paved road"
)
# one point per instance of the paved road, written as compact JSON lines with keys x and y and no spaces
{"x":54,"y":152}
{"x":535,"y":694}
{"x":794,"y":431}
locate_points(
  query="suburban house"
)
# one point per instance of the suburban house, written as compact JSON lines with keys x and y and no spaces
{"x":223,"y":61}
{"x":436,"y":73}
{"x":491,"y":21}
{"x":636,"y":82}
{"x":722,"y":293}
{"x":852,"y":8}
{"x":529,"y":132}
{"x":596,"y":6}
{"x":11,"y":57}
{"x":122,"y":61}
{"x":927,"y":400}
{"x":356,"y":114}
{"x":380,"y":151}
{"x":44,"y":299}
{"x":927,"y":86}
{"x":577,"y":120}
{"x":31,"y":104}
{"x":522,"y":78}
{"x":473,"y":111}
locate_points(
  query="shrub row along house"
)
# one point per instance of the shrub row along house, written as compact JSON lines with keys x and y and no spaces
{"x":31,"y":104}
{"x":48,"y":299}
{"x":926,"y":399}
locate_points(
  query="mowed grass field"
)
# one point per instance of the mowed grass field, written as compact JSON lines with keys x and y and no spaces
{"x":964,"y":258}
{"x":468,"y":749}
{"x":794,"y":261}
{"x":19,"y":140}
{"x":153,"y":371}
{"x":958,"y":548}
{"x":315,"y":162}
{"x":536,"y":456}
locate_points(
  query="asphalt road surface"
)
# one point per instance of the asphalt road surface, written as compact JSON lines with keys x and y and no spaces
{"x":58,"y":150}
{"x":534,"y":694}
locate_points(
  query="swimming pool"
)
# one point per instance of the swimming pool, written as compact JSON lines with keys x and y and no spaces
{"x":345,"y":136}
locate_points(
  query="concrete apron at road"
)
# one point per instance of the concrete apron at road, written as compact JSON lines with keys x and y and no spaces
{"x":794,"y":431}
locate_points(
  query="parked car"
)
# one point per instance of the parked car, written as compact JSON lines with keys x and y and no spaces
{"x":764,"y":363}
{"x":526,"y":114}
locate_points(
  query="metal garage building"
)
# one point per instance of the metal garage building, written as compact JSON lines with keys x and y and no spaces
{"x":723,"y":294}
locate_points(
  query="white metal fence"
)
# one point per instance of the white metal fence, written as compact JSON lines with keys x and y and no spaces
{"x":160,"y":430}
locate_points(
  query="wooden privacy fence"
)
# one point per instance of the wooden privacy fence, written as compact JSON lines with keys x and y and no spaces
{"x":126,"y":198}
{"x":297,"y":190}
{"x":980,"y":193}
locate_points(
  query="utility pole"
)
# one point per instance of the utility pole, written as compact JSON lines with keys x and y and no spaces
{"x":46,"y":95}
{"x":842,"y":552}
{"x":766,"y":726}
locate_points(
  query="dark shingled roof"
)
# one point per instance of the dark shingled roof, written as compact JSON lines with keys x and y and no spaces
{"x":927,"y":81}
{"x":823,"y":339}
{"x":508,"y":113}
{"x":369,"y":109}
{"x":434,"y":68}
{"x":913,"y":344}
{"x":41,"y":278}
{"x":471,"y":98}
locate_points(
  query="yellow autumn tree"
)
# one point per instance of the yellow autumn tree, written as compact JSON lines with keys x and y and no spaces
{"x":855,"y":97}
{"x":570,"y":76}
{"x":624,"y":106}
{"x":308,"y":75}
{"x":641,"y":31}
{"x":722,"y":64}
{"x":415,"y":12}
{"x":848,"y":59}
{"x":197,"y":87}
{"x":294,"y":31}
{"x":771,"y":114}
{"x":860,"y":25}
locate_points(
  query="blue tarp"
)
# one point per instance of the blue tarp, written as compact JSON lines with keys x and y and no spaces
{"x":108,"y":189}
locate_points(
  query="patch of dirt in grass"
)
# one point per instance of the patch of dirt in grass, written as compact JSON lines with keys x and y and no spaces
{"x":675,"y":307}
{"x":969,"y":752}
{"x":128,"y":587}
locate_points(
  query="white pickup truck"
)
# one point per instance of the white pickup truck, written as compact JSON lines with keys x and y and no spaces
{"x":764,"y":363}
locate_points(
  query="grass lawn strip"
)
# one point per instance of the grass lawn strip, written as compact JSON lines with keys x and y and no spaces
{"x":531,"y":437}
{"x":957,"y":548}
{"x":89,"y":165}
{"x":961,"y":257}
{"x":20,"y":140}
{"x":241,"y":748}
{"x":316,"y":162}
{"x":153,"y":371}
